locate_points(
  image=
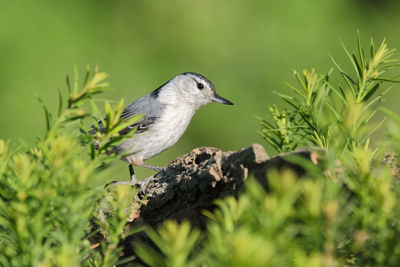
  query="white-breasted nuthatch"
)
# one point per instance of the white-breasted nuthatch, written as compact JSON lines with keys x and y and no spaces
{"x":167,"y":113}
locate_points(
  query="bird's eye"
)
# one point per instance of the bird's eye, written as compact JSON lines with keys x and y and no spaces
{"x":200,"y":86}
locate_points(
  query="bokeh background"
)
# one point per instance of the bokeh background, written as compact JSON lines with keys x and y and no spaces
{"x":247,"y":48}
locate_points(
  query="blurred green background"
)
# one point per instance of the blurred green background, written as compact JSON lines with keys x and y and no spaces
{"x":247,"y":48}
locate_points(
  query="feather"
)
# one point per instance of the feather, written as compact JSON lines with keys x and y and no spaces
{"x":147,"y":105}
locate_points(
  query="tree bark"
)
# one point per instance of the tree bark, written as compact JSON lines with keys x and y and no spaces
{"x":192,"y":183}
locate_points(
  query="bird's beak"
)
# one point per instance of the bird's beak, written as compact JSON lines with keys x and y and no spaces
{"x":220,"y":99}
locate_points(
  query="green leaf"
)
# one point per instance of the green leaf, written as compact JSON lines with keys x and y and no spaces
{"x":46,"y":113}
{"x":371,"y":92}
{"x":358,"y":67}
{"x":351,"y":58}
{"x":360,"y":50}
{"x":60,"y":103}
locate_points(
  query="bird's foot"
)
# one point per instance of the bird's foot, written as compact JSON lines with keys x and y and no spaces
{"x":151,"y":167}
{"x":133,"y":182}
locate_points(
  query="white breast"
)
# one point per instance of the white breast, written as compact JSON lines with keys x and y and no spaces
{"x":165,"y":132}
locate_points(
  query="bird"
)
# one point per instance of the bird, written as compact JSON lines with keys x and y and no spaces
{"x":167,"y":112}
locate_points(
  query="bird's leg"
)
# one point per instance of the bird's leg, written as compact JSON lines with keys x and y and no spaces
{"x":148,"y":166}
{"x":132,"y":181}
{"x":135,"y":181}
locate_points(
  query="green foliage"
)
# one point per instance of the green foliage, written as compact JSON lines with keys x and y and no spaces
{"x":175,"y":242}
{"x":111,"y":216}
{"x":49,"y":195}
{"x":334,"y":116}
{"x":344,"y":211}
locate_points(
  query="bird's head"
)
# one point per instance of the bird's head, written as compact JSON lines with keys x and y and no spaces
{"x":191,"y":89}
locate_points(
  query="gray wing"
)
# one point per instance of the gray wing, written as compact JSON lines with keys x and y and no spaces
{"x":147,"y":105}
{"x":141,"y":126}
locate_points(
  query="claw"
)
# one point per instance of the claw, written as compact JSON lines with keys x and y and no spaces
{"x":151,"y":167}
{"x":133,"y":181}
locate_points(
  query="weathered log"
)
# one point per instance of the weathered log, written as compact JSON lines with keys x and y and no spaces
{"x":191,"y":183}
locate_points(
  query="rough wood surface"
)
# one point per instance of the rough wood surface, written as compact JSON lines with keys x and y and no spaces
{"x":191,"y":184}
